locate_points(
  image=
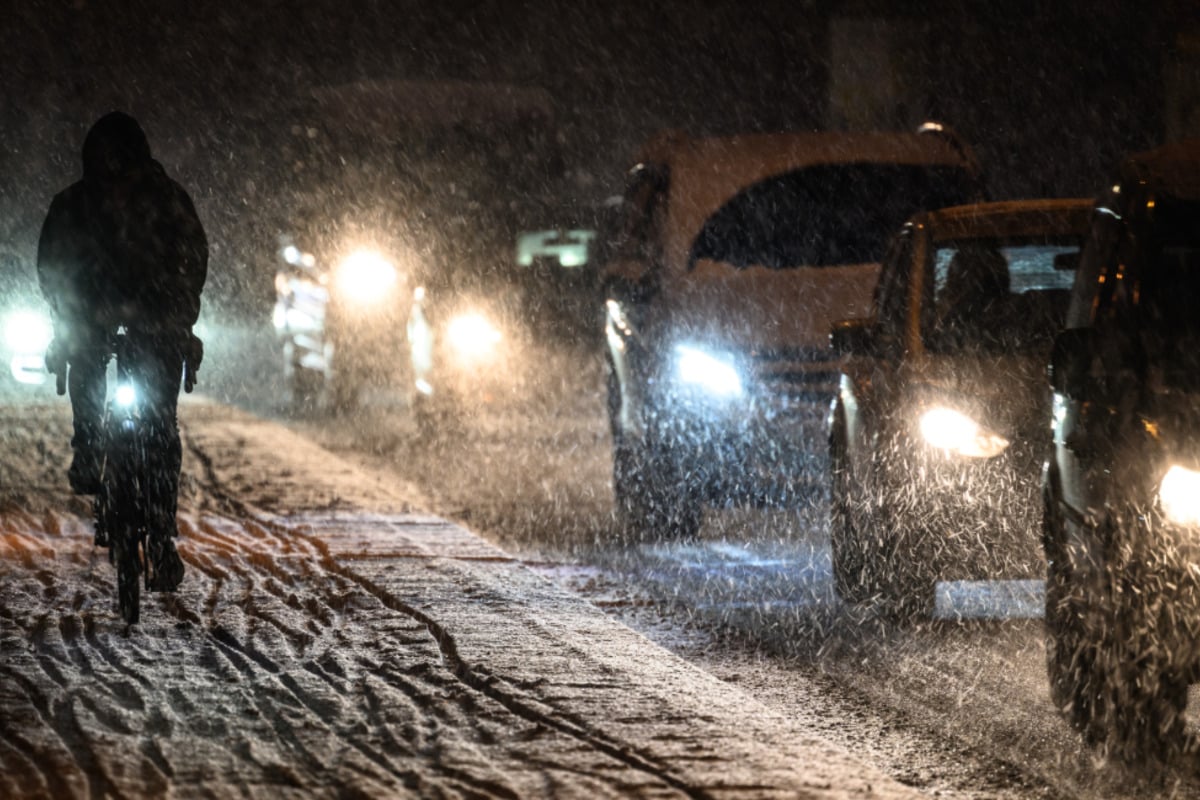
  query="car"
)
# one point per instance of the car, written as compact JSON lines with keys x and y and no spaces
{"x":734,"y":256}
{"x":937,"y":433}
{"x":1121,"y":487}
{"x":468,"y":349}
{"x":25,"y":325}
{"x":340,"y":316}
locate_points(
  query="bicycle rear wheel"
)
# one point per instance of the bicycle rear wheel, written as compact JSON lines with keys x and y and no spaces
{"x":129,"y":585}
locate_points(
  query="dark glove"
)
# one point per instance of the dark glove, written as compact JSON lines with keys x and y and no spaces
{"x":56,"y":364}
{"x":193,"y":354}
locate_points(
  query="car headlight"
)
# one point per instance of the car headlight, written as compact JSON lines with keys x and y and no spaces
{"x":366,"y":276}
{"x":954,"y":432}
{"x":472,"y":335}
{"x":28,"y":332}
{"x":713,"y":373}
{"x":1179,"y":496}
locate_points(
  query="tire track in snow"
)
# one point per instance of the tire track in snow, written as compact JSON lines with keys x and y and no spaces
{"x":484,"y":685}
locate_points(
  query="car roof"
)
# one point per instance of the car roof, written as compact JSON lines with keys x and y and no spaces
{"x":707,"y":172}
{"x":1031,"y":217}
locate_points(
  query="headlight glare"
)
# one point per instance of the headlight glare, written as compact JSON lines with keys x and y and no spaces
{"x":472,"y":335}
{"x":28,"y":332}
{"x":125,"y":395}
{"x":1179,"y":496}
{"x":952,"y":431}
{"x":713,"y":373}
{"x":366,"y":276}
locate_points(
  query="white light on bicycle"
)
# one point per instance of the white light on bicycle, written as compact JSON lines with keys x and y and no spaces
{"x":126,"y":395}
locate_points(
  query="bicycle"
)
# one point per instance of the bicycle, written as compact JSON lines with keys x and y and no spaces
{"x":123,"y":506}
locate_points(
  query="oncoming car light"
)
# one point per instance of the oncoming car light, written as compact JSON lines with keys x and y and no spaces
{"x":709,"y":371}
{"x":27,"y":332}
{"x":472,"y":335}
{"x":954,"y":432}
{"x":366,"y":276}
{"x":1179,"y":496}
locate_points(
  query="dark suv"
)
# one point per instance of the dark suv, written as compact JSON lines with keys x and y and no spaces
{"x":1122,"y":486}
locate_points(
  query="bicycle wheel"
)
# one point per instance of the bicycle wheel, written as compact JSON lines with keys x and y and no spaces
{"x":129,"y":586}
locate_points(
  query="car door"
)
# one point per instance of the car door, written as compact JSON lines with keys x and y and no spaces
{"x":869,"y":379}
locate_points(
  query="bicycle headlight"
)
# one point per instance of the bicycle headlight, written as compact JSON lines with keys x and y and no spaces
{"x":1179,"y":496}
{"x":366,"y":276}
{"x":953,"y":432}
{"x":125,"y":395}
{"x":712,"y":372}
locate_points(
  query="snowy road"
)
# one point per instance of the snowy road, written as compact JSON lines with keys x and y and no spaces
{"x":956,"y":706}
{"x":332,"y":640}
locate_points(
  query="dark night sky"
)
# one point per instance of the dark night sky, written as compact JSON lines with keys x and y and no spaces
{"x":1049,"y":97}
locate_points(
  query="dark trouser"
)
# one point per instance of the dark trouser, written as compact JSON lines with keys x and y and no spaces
{"x":155,"y":369}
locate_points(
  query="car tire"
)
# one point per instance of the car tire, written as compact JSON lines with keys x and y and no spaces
{"x":850,"y":577}
{"x":874,"y":561}
{"x":649,"y":498}
{"x":1108,"y":678}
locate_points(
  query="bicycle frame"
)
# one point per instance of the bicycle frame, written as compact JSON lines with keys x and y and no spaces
{"x":121,"y":504}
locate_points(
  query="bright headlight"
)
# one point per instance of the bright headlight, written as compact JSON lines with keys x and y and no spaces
{"x":715,"y":374}
{"x":1179,"y":496}
{"x":472,"y":335}
{"x":28,"y":332}
{"x":366,"y":276}
{"x":954,"y":432}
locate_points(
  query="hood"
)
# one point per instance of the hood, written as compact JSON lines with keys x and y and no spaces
{"x":1008,"y":393}
{"x":756,"y":308}
{"x":115,"y":146}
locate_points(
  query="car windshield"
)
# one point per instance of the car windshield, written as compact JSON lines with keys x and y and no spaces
{"x":825,"y":215}
{"x":998,"y":296}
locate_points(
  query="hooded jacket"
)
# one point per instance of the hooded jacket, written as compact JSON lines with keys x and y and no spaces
{"x":124,"y":245}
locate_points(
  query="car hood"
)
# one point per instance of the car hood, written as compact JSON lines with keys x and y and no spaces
{"x":1007,"y":393}
{"x":756,"y":308}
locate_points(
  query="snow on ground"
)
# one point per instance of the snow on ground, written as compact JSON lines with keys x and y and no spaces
{"x":331,"y":639}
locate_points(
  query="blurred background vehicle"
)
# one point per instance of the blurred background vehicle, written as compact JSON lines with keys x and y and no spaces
{"x":938,"y":430}
{"x":1122,"y":486}
{"x":445,"y":181}
{"x":25,"y":325}
{"x":734,"y":257}
{"x":340,"y":313}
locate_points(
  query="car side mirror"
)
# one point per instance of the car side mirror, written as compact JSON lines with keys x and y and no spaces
{"x":1070,"y":361}
{"x":854,"y":337}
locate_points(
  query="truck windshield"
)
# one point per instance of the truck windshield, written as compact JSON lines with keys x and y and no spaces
{"x":826,"y":215}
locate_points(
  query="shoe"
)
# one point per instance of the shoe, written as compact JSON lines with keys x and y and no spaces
{"x":167,"y":567}
{"x":84,"y":472}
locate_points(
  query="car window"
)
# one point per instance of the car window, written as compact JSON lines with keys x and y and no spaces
{"x":825,"y":215}
{"x":1168,"y":291}
{"x":998,"y":296}
{"x":891,"y":293}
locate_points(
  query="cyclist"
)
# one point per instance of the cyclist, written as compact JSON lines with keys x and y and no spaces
{"x":125,"y":247}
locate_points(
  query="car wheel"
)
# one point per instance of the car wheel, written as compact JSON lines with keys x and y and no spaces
{"x":850,"y":579}
{"x":649,"y":498}
{"x":1108,"y":676}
